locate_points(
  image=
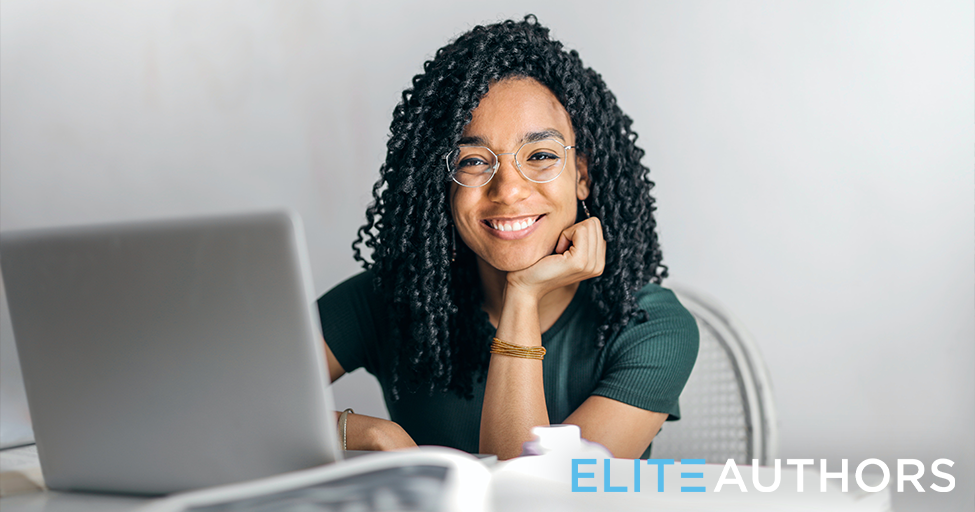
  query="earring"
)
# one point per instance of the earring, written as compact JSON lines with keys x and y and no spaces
{"x":585,"y":209}
{"x":453,"y":243}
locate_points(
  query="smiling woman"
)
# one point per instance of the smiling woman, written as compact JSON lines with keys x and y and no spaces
{"x":512,"y":220}
{"x":515,"y":268}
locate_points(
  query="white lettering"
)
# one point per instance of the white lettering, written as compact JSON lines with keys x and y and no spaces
{"x":941,"y":474}
{"x":730,"y":466}
{"x":825,"y":475}
{"x":775,"y":483}
{"x":883,"y":467}
{"x":901,"y":477}
{"x":799,"y":463}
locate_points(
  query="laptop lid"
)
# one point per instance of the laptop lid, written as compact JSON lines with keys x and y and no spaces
{"x":171,"y":355}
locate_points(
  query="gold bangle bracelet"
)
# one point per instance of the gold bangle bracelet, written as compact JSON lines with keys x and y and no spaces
{"x":343,"y":423}
{"x":507,"y":349}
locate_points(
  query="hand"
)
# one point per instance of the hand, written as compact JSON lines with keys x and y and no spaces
{"x":579,"y":254}
{"x":375,"y":434}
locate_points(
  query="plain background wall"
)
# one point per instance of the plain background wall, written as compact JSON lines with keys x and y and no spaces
{"x":814,"y":167}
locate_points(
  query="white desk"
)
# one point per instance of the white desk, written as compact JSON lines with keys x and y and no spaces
{"x":51,"y":501}
{"x":518,"y":487}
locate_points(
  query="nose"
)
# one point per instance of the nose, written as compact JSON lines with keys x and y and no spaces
{"x":508,"y":186}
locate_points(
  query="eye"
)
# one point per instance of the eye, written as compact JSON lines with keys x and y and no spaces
{"x":471,"y":163}
{"x":543,"y":155}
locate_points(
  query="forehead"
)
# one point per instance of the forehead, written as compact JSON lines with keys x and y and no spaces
{"x":514,"y":108}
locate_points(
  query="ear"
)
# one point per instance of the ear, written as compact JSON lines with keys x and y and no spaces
{"x":582,"y":177}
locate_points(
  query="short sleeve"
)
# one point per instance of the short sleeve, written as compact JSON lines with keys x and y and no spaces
{"x":647,"y":365}
{"x":352,"y":317}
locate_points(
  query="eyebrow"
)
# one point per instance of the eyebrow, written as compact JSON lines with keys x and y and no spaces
{"x":550,"y":133}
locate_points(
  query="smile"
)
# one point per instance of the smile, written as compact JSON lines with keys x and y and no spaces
{"x":508,"y":225}
{"x":514,"y":228}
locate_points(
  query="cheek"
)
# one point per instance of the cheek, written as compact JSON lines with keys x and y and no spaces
{"x":568,"y":206}
{"x":461,"y":208}
{"x":454,"y":204}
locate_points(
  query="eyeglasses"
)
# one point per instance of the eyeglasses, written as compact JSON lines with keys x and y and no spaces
{"x":539,"y":162}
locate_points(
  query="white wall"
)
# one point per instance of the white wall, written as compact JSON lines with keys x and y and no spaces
{"x":814,"y":166}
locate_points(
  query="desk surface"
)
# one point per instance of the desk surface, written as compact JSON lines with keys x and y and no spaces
{"x":51,"y":501}
{"x":517,"y":487}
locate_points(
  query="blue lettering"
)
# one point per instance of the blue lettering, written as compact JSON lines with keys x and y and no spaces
{"x":636,"y":475}
{"x":692,"y":475}
{"x":576,"y":475}
{"x":606,"y":484}
{"x":660,"y":463}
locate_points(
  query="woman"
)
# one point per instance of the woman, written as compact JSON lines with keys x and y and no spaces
{"x":512,"y":214}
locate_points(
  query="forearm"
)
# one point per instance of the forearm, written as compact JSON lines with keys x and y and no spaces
{"x":374,"y":434}
{"x":514,"y":394}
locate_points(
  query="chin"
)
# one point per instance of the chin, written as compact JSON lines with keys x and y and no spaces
{"x":514,"y":262}
{"x":512,"y":267}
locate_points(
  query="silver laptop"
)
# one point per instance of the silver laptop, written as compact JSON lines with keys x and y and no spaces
{"x":167,"y":356}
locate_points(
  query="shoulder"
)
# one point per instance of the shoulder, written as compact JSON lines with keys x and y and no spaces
{"x":670,"y":331}
{"x":363,"y":281}
{"x":664,"y":308}
{"x":648,"y":363}
{"x":358,"y":289}
{"x":354,"y":323}
{"x":353,"y":300}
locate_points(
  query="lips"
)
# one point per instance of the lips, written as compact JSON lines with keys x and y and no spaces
{"x":511,"y":228}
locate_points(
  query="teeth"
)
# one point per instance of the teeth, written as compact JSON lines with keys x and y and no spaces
{"x":512,"y":226}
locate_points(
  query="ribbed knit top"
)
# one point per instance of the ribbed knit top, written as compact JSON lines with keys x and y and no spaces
{"x":645,"y":366}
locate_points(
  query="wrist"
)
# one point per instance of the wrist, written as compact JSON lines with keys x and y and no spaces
{"x":385,"y":435}
{"x":519,"y":305}
{"x":519,"y":295}
{"x":519,"y":320}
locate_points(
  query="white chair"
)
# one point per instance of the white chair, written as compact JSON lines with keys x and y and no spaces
{"x":727,"y":410}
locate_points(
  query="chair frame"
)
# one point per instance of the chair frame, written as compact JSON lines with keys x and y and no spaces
{"x":750,"y":371}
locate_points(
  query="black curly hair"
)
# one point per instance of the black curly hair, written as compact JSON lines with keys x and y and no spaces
{"x":409,"y":228}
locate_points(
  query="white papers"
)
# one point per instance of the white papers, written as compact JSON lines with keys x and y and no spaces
{"x":20,"y":471}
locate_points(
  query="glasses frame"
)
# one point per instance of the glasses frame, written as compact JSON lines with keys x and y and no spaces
{"x":497,"y":162}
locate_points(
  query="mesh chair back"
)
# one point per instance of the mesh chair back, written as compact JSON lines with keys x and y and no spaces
{"x":726,"y":408}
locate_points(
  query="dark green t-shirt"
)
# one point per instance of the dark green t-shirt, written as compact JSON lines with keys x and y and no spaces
{"x":645,"y":366}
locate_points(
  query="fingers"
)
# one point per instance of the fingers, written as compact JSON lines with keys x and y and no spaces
{"x":588,"y":247}
{"x":580,"y":254}
{"x":599,"y":247}
{"x":597,"y":256}
{"x":563,"y":244}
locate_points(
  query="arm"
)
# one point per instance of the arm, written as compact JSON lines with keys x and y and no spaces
{"x":624,"y":430}
{"x":335,"y":369}
{"x":514,"y":395}
{"x":647,"y":366}
{"x":374,"y":434}
{"x":367,"y":432}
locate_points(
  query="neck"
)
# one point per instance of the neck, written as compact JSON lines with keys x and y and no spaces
{"x":550,"y":307}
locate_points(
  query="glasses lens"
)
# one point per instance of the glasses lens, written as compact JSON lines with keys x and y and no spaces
{"x":472,"y":166}
{"x":541,"y":161}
